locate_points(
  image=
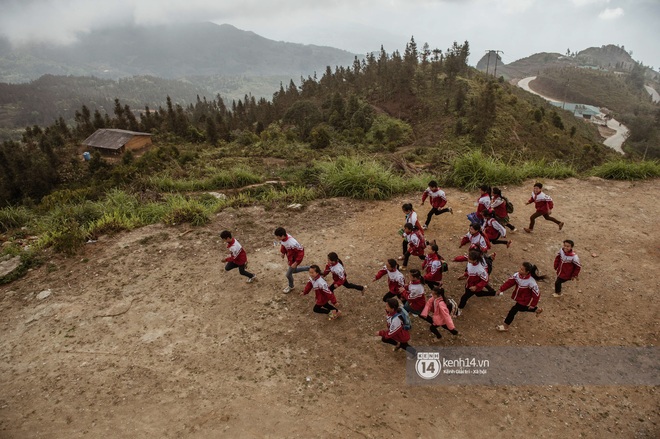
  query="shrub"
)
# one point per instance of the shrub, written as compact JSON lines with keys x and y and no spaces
{"x":113,"y":222}
{"x":183,"y":210}
{"x":473,"y":169}
{"x":14,"y":218}
{"x":359,"y":178}
{"x":67,"y":238}
{"x":625,"y":170}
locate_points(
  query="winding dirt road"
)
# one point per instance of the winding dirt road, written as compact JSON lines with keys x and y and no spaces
{"x":615,"y":141}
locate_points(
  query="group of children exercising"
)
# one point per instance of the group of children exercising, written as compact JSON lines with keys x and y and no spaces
{"x":487,"y":227}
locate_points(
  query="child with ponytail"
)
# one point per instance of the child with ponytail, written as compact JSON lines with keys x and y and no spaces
{"x":526,"y":292}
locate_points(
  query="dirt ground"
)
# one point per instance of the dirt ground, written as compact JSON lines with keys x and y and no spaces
{"x":144,"y":335}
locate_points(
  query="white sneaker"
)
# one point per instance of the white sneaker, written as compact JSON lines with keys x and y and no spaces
{"x":556,"y":295}
{"x":252,"y":279}
{"x":287,"y":290}
{"x":502,"y":328}
{"x":425,"y":227}
{"x":451,"y":210}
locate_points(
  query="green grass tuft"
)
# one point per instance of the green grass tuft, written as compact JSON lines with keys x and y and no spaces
{"x":625,"y":170}
{"x":362,"y":179}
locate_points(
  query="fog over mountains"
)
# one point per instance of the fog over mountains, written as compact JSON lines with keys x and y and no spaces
{"x":167,"y":51}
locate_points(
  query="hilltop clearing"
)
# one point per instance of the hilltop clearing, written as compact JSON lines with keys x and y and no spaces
{"x":145,"y":335}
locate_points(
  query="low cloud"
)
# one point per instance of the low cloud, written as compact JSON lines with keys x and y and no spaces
{"x":581,"y":3}
{"x":611,"y":14}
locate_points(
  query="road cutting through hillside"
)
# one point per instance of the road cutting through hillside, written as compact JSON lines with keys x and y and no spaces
{"x":615,"y":141}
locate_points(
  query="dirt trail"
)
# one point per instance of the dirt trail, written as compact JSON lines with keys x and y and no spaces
{"x":192,"y":351}
{"x":615,"y":141}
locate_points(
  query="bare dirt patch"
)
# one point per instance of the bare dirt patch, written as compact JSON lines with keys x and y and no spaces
{"x":145,"y":335}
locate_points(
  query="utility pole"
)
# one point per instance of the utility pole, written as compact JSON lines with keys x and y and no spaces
{"x":488,"y":63}
{"x":497,"y":52}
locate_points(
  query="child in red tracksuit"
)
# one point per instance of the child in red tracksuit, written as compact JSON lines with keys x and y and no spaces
{"x":567,"y":266}
{"x":336,"y":267}
{"x":494,"y":230}
{"x":294,"y":253}
{"x":413,"y":293}
{"x":433,"y":267}
{"x":395,"y":334}
{"x":441,"y":314}
{"x":416,"y":244}
{"x":237,"y":257}
{"x":411,"y":218}
{"x":543,"y":205}
{"x":476,"y":276}
{"x":325,"y":299}
{"x":476,"y":238}
{"x":526,"y":293}
{"x":395,"y":280}
{"x":438,"y":200}
{"x":483,"y":203}
{"x":498,"y":206}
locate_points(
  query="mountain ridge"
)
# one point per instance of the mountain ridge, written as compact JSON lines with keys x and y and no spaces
{"x":168,"y":51}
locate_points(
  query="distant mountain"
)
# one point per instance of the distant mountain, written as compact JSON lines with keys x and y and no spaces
{"x":610,"y":57}
{"x":172,"y":51}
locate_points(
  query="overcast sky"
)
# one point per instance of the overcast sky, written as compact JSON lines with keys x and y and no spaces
{"x":517,"y":27}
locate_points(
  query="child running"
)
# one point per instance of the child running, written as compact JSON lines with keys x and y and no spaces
{"x":395,"y":334}
{"x":294,"y":253}
{"x":567,"y":266}
{"x":433,"y":264}
{"x":416,"y":244}
{"x":494,"y":230}
{"x":438,"y":200}
{"x":395,"y":280}
{"x":483,"y":203}
{"x":336,"y":267}
{"x":476,"y":276}
{"x":543,"y":205}
{"x":476,"y":238}
{"x":413,"y":293}
{"x":411,"y":218}
{"x":441,"y":313}
{"x":237,"y":257}
{"x":526,"y":293}
{"x":325,"y":298}
{"x":499,"y":208}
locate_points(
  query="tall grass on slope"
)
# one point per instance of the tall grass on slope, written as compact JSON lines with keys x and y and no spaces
{"x":233,"y":178}
{"x":624,"y":170}
{"x":473,"y":169}
{"x":14,"y":218}
{"x":363,"y":179}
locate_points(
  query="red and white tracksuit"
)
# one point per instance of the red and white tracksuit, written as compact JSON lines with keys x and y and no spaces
{"x":395,"y":330}
{"x":477,"y":240}
{"x":321,"y":290}
{"x":237,"y":253}
{"x":542,"y":202}
{"x":292,"y":249}
{"x":433,"y":268}
{"x":567,"y":265}
{"x":395,"y":280}
{"x":414,"y":294}
{"x":437,"y":198}
{"x":526,"y":291}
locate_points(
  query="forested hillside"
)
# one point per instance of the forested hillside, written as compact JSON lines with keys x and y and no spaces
{"x":44,"y":100}
{"x":426,"y":105}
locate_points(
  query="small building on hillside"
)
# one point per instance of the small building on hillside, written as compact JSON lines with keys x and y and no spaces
{"x":113,"y":141}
